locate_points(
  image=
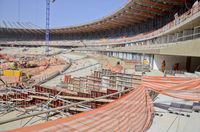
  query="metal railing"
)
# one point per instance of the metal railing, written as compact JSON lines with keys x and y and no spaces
{"x":59,"y":108}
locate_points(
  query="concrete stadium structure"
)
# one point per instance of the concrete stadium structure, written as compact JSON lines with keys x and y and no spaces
{"x":152,"y":30}
{"x":156,"y":28}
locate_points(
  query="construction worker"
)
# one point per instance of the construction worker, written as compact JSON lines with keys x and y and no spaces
{"x":118,"y":68}
{"x":176,"y":67}
{"x":163,"y":66}
{"x":27,"y":77}
{"x":146,"y":62}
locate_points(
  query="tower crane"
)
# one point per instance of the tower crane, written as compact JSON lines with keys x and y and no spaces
{"x":48,"y":2}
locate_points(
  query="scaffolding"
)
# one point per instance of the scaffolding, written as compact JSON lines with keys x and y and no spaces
{"x":81,"y":94}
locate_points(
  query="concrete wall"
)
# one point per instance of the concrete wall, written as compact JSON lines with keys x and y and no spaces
{"x":185,"y":48}
{"x":170,"y":61}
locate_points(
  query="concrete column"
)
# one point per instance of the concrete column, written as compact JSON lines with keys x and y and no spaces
{"x":129,"y":56}
{"x":126,"y":55}
{"x":118,"y":54}
{"x":188,"y":64}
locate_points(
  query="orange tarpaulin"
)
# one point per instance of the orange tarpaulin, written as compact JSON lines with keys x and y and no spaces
{"x":129,"y":113}
{"x":132,"y":112}
{"x":179,"y":87}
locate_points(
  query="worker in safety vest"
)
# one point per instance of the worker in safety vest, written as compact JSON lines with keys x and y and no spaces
{"x":146,"y":62}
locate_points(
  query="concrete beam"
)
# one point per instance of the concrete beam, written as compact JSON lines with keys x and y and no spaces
{"x":186,"y":48}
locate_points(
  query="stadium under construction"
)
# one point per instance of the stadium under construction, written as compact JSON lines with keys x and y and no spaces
{"x":135,"y":70}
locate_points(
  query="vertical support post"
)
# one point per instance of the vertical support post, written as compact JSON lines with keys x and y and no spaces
{"x":143,"y":55}
{"x":47,"y":27}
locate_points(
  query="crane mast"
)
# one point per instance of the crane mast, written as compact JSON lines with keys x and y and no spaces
{"x":47,"y":26}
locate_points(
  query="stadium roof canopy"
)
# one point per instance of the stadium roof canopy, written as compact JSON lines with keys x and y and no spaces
{"x":134,"y":12}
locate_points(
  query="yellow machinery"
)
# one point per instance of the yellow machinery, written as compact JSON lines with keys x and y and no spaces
{"x":15,"y":73}
{"x":145,"y":62}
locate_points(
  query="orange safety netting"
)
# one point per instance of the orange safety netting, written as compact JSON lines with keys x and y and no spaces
{"x":178,"y":87}
{"x":132,"y":113}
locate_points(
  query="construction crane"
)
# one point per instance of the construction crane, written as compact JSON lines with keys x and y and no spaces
{"x":48,"y":2}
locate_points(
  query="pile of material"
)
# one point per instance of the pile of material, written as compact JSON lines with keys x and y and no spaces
{"x":28,"y":67}
{"x":116,"y":69}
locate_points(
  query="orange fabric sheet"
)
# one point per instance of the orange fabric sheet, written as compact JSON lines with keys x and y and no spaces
{"x":178,"y":87}
{"x":132,"y":112}
{"x":129,"y":113}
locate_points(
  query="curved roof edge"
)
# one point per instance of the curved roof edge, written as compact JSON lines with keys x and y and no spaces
{"x":97,"y":20}
{"x":131,"y":13}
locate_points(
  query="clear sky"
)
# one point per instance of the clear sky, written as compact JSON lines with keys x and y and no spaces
{"x":63,"y":12}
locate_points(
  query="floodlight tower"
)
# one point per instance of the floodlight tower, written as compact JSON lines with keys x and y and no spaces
{"x":48,"y":2}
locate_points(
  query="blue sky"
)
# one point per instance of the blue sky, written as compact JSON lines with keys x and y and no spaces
{"x":63,"y":12}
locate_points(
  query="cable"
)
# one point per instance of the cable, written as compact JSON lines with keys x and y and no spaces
{"x":172,"y":123}
{"x":178,"y":124}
